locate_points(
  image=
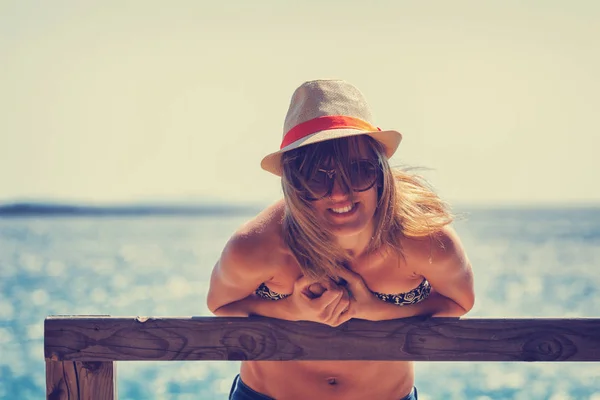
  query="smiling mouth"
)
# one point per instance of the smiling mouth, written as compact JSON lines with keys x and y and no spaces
{"x":343,"y":210}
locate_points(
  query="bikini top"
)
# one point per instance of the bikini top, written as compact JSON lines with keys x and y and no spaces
{"x":413,"y":296}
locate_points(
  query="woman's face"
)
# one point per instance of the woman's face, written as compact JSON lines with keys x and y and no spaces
{"x":348,"y":212}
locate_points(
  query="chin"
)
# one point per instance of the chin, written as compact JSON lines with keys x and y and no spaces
{"x":346,"y":230}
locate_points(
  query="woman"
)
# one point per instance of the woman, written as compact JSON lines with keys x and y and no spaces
{"x":351,"y":239}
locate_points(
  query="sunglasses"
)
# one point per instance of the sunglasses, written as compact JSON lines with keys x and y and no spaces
{"x":362,"y":174}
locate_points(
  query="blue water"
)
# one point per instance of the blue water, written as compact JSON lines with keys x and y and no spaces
{"x":527,"y":263}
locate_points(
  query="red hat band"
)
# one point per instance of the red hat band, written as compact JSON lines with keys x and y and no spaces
{"x":324,"y":123}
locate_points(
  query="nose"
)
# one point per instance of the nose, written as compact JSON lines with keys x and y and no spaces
{"x":339,"y":190}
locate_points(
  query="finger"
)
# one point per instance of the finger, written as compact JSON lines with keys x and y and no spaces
{"x":344,"y":317}
{"x":354,"y":282}
{"x":330,"y":284}
{"x":339,"y":280}
{"x":341,"y":307}
{"x":302,"y":283}
{"x":316,"y":289}
{"x":331,"y":295}
{"x":303,"y":286}
{"x":328,"y":302}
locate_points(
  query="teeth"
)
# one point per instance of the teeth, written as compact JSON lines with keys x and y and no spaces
{"x":343,"y":209}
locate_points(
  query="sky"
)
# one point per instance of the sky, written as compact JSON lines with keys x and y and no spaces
{"x":120,"y":101}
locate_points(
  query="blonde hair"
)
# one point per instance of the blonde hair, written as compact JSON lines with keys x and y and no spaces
{"x":406,"y":205}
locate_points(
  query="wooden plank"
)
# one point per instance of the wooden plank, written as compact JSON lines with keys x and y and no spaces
{"x":61,"y":380}
{"x":80,"y":380}
{"x":258,"y":338}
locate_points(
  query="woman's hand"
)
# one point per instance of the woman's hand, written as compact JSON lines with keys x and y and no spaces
{"x":323,"y":302}
{"x":362,"y":301}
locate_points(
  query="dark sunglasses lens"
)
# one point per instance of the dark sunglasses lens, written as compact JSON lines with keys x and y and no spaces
{"x":318,"y":185}
{"x":363,"y":175}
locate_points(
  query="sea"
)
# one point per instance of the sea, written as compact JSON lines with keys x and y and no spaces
{"x":528,"y":262}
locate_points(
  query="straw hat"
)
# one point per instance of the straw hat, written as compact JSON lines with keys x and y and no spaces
{"x":323,"y":110}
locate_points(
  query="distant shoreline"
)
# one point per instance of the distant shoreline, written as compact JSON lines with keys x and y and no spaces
{"x":49,"y":210}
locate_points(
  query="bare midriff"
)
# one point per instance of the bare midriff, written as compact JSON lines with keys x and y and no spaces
{"x":348,"y":380}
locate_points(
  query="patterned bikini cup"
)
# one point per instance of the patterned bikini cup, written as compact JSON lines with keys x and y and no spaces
{"x":266,"y":293}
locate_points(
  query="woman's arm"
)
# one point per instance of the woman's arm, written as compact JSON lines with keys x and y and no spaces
{"x":234,"y":279}
{"x":448,"y":270}
{"x":443,"y":262}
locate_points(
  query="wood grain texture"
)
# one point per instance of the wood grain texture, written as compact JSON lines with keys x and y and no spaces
{"x":61,"y":380}
{"x":257,"y":338}
{"x":80,"y":380}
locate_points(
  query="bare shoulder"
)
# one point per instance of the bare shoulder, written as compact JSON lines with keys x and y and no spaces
{"x":258,"y":241}
{"x":248,"y":259}
{"x":440,"y":248}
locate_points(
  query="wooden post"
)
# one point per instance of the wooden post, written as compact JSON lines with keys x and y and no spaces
{"x":80,"y":380}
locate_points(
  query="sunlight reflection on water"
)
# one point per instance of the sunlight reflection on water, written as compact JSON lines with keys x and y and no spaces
{"x":525,"y":264}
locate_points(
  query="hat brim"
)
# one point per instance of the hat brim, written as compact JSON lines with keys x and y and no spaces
{"x":389,"y":139}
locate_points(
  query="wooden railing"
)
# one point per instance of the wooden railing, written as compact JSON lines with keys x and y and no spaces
{"x":81,"y":351}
